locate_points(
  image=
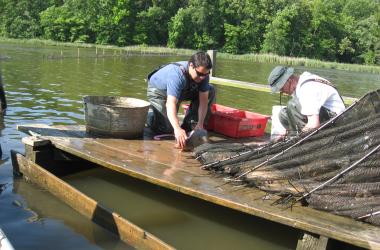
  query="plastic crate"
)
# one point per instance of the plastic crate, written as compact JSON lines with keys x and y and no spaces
{"x":217,"y":108}
{"x":240,"y":124}
{"x":233,"y":122}
{"x":214,"y":108}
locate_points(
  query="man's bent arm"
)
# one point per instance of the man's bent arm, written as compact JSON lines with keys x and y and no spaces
{"x":171,"y":109}
{"x":202,"y":110}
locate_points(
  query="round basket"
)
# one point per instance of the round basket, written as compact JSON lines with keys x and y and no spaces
{"x":119,"y":117}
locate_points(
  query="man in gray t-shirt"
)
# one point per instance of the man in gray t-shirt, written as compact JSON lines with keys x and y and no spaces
{"x":173,"y":83}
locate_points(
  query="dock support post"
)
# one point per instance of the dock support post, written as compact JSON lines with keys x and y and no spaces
{"x":42,"y":152}
{"x":212,"y":54}
{"x":37,"y":150}
{"x":309,"y":241}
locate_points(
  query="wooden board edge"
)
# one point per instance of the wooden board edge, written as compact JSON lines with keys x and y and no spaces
{"x":260,"y":87}
{"x":124,"y":229}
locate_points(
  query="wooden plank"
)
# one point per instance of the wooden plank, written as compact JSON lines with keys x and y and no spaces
{"x":34,"y":141}
{"x":127,"y":231}
{"x":176,"y":170}
{"x":258,"y":87}
{"x":312,"y":242}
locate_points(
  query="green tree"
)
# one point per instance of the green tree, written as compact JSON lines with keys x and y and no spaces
{"x":232,"y":34}
{"x":335,"y":30}
{"x":361,"y":24}
{"x":327,"y":28}
{"x":151,"y":27}
{"x":69,"y":22}
{"x":20,"y":19}
{"x":241,"y":26}
{"x":152,"y":22}
{"x":288,"y":32}
{"x":103,"y":22}
{"x":115,"y":22}
{"x":245,"y":23}
{"x":199,"y":26}
{"x":180,"y":32}
{"x":60,"y":24}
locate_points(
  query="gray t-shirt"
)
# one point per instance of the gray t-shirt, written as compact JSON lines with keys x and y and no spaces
{"x":172,"y":80}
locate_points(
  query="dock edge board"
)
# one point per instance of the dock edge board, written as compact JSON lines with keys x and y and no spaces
{"x":88,"y":207}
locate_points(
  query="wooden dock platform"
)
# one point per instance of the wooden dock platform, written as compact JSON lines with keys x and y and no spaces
{"x":159,"y":163}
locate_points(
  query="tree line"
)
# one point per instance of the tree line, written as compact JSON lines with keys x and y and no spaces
{"x":333,"y":30}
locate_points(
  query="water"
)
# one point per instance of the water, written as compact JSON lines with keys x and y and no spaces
{"x":181,"y":221}
{"x":42,"y":88}
{"x":353,"y":84}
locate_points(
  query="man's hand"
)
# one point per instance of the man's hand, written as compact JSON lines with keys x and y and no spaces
{"x":199,"y":126}
{"x":312,"y":123}
{"x":181,"y":137}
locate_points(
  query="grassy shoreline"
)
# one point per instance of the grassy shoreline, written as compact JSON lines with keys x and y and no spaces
{"x":263,"y":58}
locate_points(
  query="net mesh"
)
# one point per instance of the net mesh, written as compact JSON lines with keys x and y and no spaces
{"x":334,"y":168}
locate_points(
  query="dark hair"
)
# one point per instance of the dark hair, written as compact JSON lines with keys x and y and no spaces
{"x":201,"y":58}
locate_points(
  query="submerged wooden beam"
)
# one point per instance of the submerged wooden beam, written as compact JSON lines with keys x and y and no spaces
{"x":124,"y":229}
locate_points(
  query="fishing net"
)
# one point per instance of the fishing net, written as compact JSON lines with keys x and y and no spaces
{"x":335,"y":168}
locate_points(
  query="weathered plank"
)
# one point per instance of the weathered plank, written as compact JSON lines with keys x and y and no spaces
{"x":312,"y":242}
{"x":158,"y":163}
{"x":259,"y":87}
{"x":127,"y":231}
{"x":34,"y":141}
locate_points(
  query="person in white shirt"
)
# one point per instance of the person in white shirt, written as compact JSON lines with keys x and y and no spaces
{"x":314,"y":99}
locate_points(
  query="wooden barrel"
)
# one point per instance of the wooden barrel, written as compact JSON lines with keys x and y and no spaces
{"x":110,"y":116}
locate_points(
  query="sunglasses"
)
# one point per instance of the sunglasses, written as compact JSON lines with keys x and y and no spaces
{"x":200,"y":74}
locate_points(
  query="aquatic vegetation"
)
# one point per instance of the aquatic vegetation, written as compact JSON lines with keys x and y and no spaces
{"x":111,"y":50}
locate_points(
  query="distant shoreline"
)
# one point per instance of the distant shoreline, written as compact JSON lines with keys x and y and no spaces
{"x":263,"y":58}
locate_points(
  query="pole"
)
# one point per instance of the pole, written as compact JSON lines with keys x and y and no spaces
{"x":212,"y":54}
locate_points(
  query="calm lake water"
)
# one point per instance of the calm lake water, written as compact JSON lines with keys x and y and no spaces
{"x":41,"y":87}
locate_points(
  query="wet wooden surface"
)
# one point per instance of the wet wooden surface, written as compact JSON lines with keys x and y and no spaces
{"x":158,"y":162}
